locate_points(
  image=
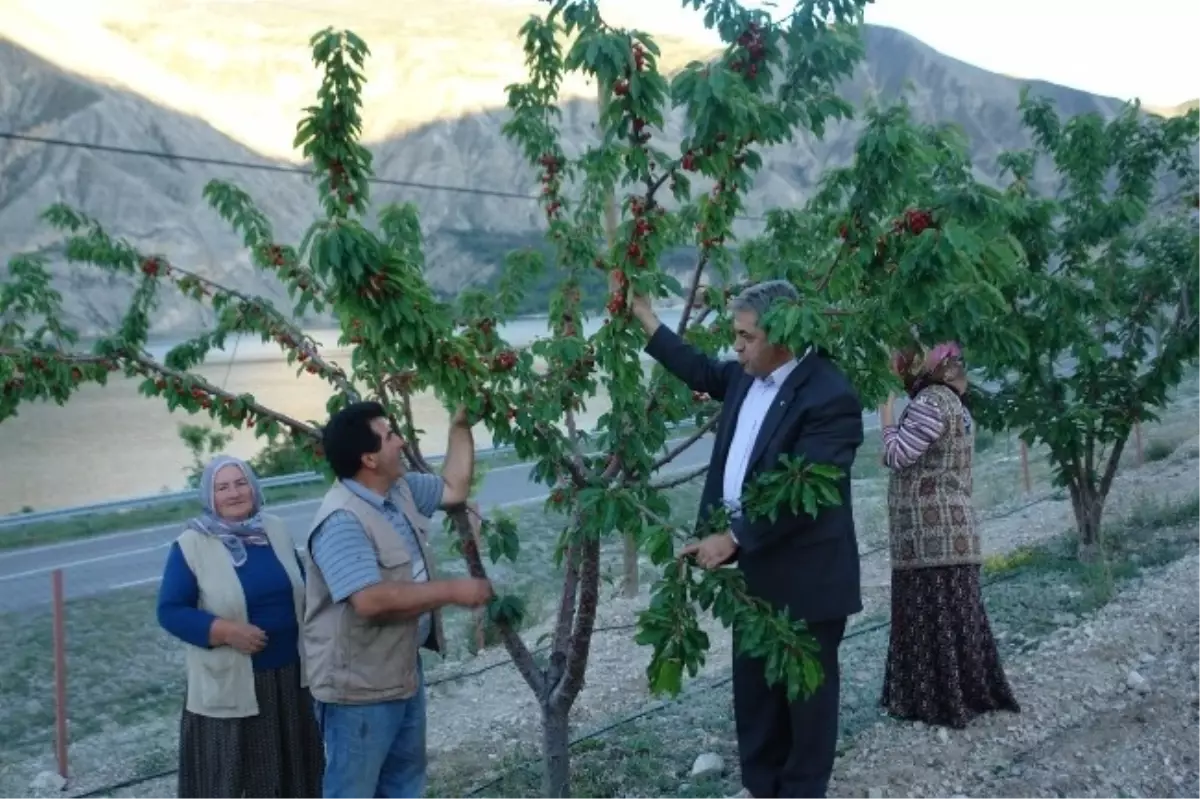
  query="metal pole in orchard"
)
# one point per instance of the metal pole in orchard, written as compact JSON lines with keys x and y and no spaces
{"x":1025,"y":466}
{"x":60,"y":672}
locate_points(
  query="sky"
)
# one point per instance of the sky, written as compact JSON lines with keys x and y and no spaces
{"x":1122,"y":50}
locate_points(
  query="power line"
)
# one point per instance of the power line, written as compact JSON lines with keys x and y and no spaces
{"x":261,"y":166}
{"x":273,"y":167}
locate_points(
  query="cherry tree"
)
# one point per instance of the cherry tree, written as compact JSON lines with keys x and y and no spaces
{"x":1107,"y":298}
{"x":900,"y":245}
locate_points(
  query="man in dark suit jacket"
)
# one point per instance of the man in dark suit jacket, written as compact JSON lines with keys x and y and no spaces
{"x":775,"y":403}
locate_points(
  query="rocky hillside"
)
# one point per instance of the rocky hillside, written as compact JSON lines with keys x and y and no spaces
{"x":225,"y":80}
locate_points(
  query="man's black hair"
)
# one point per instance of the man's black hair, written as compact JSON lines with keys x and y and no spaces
{"x":348,"y":436}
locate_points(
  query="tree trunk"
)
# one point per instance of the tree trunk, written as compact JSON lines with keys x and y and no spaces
{"x":1089,"y":508}
{"x":556,"y":771}
{"x":567,"y":670}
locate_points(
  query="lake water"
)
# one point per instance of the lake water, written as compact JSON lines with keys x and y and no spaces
{"x":111,"y":443}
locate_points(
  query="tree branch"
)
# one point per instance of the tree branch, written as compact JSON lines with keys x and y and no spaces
{"x":1110,"y":469}
{"x":693,"y":290}
{"x":692,"y":439}
{"x":585,"y":620}
{"x":183,"y":383}
{"x":686,"y":477}
{"x":522,"y":658}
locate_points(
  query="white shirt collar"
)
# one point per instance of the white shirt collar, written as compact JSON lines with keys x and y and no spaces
{"x":781,"y":373}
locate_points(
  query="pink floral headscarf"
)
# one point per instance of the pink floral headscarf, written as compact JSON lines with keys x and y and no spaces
{"x":943,"y":362}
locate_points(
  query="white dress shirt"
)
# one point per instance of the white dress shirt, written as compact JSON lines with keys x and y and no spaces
{"x":759,"y":398}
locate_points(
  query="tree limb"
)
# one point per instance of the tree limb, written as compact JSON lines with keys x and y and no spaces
{"x":692,"y":439}
{"x":585,"y":620}
{"x":522,"y":658}
{"x":686,"y":477}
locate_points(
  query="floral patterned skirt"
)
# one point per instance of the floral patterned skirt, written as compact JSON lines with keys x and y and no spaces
{"x":278,"y":753}
{"x":943,"y":666}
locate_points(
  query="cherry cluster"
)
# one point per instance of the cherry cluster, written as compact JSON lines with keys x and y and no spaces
{"x":621,"y":89}
{"x":38,"y":363}
{"x":915,"y":220}
{"x":275,"y":257}
{"x":551,"y":184}
{"x":337,"y":172}
{"x":755,"y":50}
{"x":154,"y":267}
{"x":504,"y":362}
{"x":645,"y":215}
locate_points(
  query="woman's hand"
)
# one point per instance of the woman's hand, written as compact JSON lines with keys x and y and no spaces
{"x":245,"y":638}
{"x":887,"y":413}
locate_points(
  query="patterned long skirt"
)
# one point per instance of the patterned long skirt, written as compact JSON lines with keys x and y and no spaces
{"x":278,"y":753}
{"x":943,"y":666}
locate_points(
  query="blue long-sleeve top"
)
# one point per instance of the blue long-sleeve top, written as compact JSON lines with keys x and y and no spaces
{"x":268,"y":604}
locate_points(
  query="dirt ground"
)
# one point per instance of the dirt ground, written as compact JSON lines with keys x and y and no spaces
{"x":1109,"y":708}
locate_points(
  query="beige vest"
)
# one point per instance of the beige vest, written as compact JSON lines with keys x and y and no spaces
{"x":220,"y":680}
{"x":352,"y":660}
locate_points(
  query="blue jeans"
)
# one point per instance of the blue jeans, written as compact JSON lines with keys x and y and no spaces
{"x":375,"y":750}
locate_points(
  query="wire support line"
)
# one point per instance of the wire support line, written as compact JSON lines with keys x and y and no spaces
{"x":277,"y":168}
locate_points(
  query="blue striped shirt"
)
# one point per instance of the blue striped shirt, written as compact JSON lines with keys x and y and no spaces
{"x":341,"y":550}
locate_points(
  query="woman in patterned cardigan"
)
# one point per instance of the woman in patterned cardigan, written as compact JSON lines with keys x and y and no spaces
{"x":943,"y":666}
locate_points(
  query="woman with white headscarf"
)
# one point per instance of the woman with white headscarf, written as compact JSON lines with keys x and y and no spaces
{"x":233,"y":592}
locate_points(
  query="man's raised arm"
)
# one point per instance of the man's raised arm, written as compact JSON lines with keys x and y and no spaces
{"x":458,"y":469}
{"x":700,"y":372}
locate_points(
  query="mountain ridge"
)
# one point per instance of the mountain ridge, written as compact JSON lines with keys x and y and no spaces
{"x":157,"y":203}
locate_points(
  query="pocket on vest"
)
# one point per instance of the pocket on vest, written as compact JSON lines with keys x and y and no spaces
{"x":219,"y":681}
{"x":379,"y":657}
{"x":396,"y":562}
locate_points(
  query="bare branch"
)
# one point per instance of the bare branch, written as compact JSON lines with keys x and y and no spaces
{"x":561,"y":642}
{"x":692,"y":439}
{"x":585,"y":621}
{"x":679,"y":480}
{"x":212,"y":397}
{"x":693,"y":289}
{"x":522,"y":658}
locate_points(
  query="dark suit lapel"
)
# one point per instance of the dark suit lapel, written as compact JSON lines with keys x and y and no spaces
{"x":780,"y":407}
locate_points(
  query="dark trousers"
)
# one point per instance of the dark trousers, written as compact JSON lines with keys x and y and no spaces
{"x":788,"y":748}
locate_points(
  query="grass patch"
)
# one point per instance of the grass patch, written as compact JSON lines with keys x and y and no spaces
{"x":1028,"y":594}
{"x":1159,"y":450}
{"x":121,"y":670}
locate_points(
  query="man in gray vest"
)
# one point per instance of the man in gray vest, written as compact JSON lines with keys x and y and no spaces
{"x":372,"y":601}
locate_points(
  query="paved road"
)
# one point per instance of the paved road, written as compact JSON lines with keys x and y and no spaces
{"x":122,"y":560}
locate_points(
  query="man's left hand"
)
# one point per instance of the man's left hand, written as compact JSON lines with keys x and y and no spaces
{"x":712,"y":551}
